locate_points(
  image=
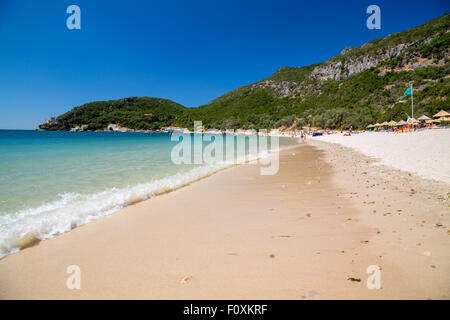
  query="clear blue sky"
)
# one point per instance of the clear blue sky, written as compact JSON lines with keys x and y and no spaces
{"x":188,"y":51}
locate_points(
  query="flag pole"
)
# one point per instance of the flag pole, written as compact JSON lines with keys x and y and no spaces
{"x":412,"y":108}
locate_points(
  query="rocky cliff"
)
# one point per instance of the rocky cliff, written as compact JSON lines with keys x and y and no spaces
{"x":349,"y":65}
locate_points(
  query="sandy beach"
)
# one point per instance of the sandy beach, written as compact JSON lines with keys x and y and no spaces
{"x":301,"y":234}
{"x":424,"y":153}
{"x":233,"y":159}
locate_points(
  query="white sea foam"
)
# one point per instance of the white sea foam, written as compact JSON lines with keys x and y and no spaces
{"x":26,"y":227}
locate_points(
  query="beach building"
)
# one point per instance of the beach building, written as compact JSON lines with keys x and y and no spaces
{"x":51,"y":121}
{"x":171,"y":129}
{"x":117,"y":128}
{"x":112,"y":127}
{"x":79,"y":128}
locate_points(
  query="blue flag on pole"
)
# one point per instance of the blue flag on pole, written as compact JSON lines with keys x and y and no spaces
{"x":408,"y":92}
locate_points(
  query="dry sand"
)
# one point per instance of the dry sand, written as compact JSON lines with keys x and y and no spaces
{"x":326,"y":216}
{"x":425,"y":153}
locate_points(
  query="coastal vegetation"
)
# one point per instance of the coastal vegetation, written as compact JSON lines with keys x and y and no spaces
{"x":360,"y":86}
{"x":138,"y":113}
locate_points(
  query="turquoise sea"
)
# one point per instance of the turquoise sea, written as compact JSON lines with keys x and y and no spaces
{"x":52,"y":182}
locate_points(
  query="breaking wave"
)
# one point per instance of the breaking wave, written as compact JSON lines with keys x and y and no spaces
{"x":27,"y":227}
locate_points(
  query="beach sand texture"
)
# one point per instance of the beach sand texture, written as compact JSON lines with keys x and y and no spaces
{"x":301,"y":234}
{"x":424,"y":153}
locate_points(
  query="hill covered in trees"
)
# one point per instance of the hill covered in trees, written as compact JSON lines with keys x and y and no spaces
{"x":136,"y":113}
{"x":360,"y":86}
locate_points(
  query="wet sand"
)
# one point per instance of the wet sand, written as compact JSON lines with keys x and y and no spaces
{"x":299,"y":234}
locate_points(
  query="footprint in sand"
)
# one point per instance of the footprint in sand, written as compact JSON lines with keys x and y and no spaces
{"x":309,"y":294}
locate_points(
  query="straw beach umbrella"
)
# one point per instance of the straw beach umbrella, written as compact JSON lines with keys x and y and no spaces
{"x":376,"y":126}
{"x":402,"y":123}
{"x":370,"y":126}
{"x":423,"y":118}
{"x":392,"y":123}
{"x":384,"y":124}
{"x":441,"y":114}
{"x":414,"y":121}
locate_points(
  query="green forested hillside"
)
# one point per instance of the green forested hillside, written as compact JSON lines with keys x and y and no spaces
{"x":357,"y":101}
{"x":137,"y":113}
{"x":361,"y":86}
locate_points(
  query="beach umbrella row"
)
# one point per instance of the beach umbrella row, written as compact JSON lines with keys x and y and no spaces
{"x":441,"y":115}
{"x":376,"y":125}
{"x":391,"y":123}
{"x":442,"y":119}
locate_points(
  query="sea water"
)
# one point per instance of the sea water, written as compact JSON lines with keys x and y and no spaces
{"x":52,"y":182}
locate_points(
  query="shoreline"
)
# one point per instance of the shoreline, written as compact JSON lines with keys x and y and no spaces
{"x":298,"y":234}
{"x":112,"y":201}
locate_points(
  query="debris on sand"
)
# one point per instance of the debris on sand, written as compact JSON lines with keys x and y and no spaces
{"x":352,"y":279}
{"x":186,"y":279}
